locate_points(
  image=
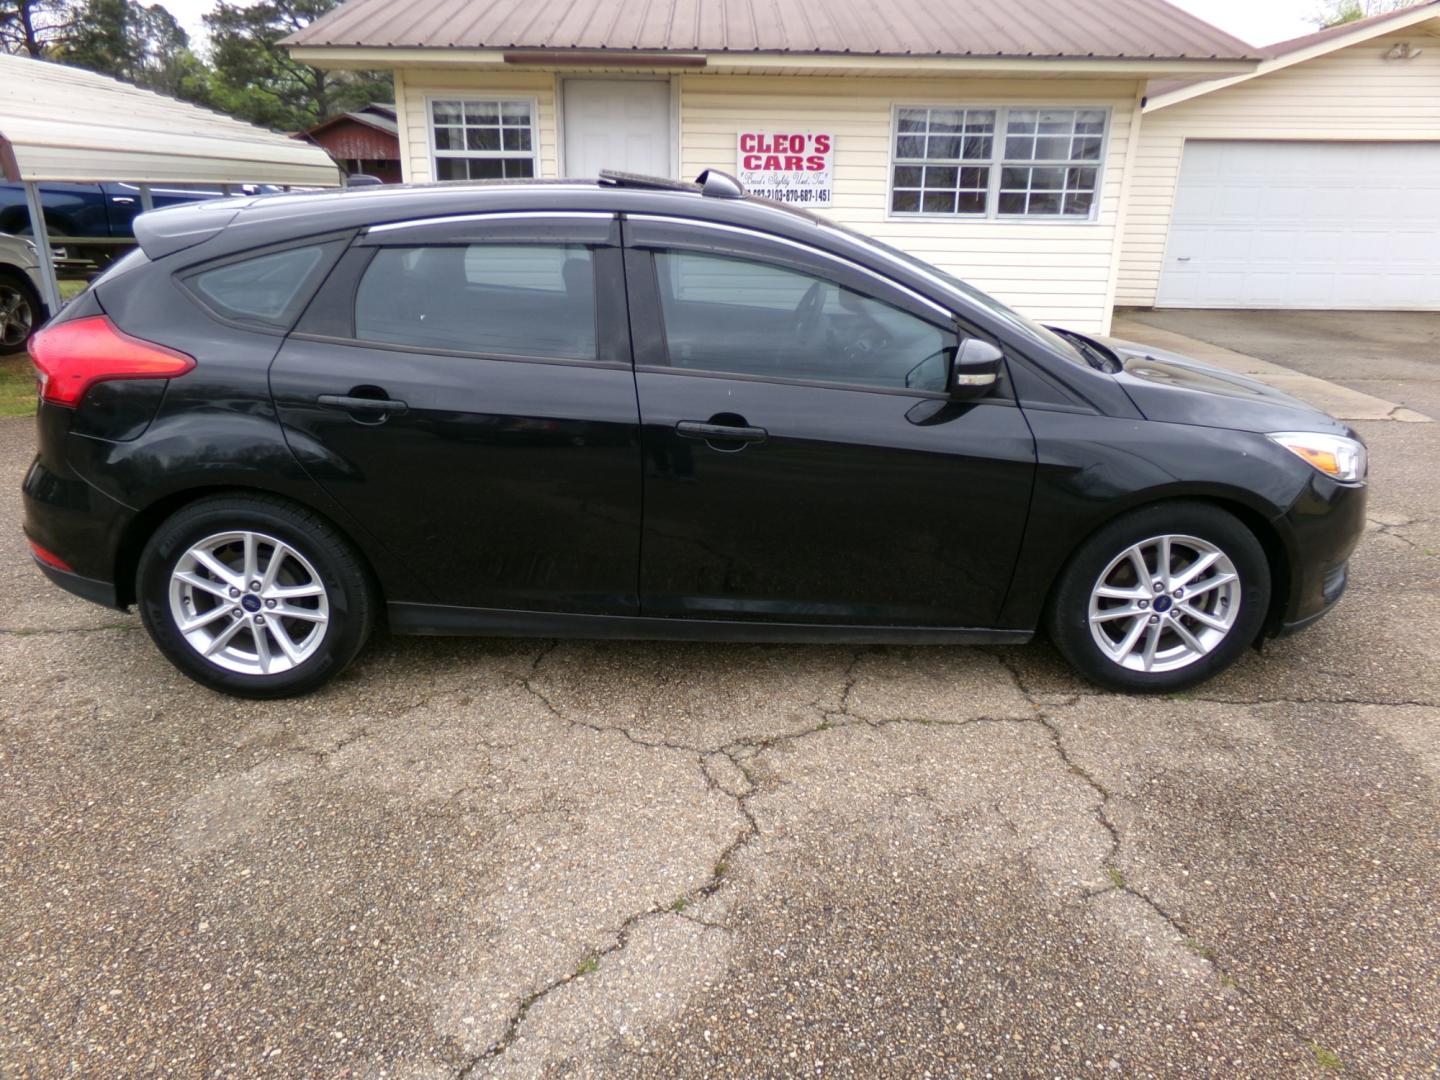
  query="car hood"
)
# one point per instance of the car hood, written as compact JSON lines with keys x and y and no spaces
{"x":1176,"y":389}
{"x":17,"y":251}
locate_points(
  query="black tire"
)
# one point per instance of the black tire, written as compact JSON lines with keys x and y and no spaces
{"x":349,"y":595}
{"x":1068,"y":615}
{"x":19,"y":284}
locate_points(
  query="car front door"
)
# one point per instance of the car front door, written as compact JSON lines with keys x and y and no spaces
{"x":463,"y":387}
{"x":803,"y":463}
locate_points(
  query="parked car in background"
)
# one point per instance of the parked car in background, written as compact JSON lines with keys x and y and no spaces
{"x":99,"y":211}
{"x":21,"y":308}
{"x":642,"y":409}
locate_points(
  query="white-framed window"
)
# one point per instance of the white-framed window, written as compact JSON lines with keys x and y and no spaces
{"x":997,"y":162}
{"x":483,"y":138}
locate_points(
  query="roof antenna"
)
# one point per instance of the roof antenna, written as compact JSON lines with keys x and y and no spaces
{"x":720,"y":185}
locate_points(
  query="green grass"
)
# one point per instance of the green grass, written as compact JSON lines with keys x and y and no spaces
{"x":1203,"y":951}
{"x":17,"y":386}
{"x":1327,"y":1059}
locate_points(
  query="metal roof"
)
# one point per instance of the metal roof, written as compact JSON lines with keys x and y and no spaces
{"x":1285,"y":48}
{"x":371,"y":116}
{"x":65,"y":124}
{"x":1283,"y":54}
{"x":1080,"y":29}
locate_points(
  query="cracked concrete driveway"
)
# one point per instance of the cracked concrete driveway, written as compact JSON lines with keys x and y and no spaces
{"x":491,"y":858}
{"x":1393,"y":355}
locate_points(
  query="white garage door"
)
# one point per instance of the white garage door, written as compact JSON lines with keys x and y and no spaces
{"x":1305,"y":225}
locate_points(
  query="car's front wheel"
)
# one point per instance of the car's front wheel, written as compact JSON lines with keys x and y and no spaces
{"x":254,"y":596}
{"x":1162,"y":598}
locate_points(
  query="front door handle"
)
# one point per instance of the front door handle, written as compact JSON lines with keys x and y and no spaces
{"x":362,"y":404}
{"x":693,"y":429}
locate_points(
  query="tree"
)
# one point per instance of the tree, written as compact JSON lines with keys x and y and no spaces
{"x":256,"y":79}
{"x":1338,"y":12}
{"x":31,"y":27}
{"x":141,"y":45}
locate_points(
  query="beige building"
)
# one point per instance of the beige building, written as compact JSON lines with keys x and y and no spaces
{"x":999,"y":148}
{"x":1034,"y":149}
{"x":1311,"y":182}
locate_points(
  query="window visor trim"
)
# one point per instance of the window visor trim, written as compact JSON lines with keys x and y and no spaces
{"x":947,"y":314}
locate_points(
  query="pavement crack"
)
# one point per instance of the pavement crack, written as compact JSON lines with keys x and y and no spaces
{"x":749,"y":830}
{"x":1118,"y":882}
{"x":1388,"y":529}
{"x":45,"y":631}
{"x":517,"y":1018}
{"x":527,"y":682}
{"x":1415,"y":703}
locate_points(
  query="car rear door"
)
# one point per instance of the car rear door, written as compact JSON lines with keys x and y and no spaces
{"x":463,"y":387}
{"x":803,"y":463}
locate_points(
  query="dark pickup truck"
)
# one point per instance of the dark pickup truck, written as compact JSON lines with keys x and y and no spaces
{"x":99,"y":211}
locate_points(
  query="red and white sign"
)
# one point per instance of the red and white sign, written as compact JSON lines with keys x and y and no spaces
{"x":790,"y":167}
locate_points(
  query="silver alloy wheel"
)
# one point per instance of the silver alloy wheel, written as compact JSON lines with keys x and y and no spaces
{"x":16,"y":316}
{"x":249,"y":603}
{"x":1164,"y":603}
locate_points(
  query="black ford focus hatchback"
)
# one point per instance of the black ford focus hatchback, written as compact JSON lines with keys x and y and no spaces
{"x":642,"y":409}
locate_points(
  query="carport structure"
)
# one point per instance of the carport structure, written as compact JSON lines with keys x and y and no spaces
{"x":64,"y":124}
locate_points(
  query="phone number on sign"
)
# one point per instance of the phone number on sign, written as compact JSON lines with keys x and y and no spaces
{"x":792,"y":194}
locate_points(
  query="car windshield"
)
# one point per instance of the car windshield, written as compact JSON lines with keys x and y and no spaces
{"x":1030,"y":328}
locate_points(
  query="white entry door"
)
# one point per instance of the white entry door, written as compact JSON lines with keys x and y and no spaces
{"x":619,"y":124}
{"x":1305,"y":225}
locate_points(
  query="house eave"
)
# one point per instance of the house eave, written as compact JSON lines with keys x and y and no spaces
{"x":1402,"y":20}
{"x":339,"y":57}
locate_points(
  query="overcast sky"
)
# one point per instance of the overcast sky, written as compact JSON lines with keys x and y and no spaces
{"x":1259,"y":22}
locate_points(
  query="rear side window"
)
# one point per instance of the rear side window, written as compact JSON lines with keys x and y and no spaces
{"x":505,"y":299}
{"x":269,"y":289}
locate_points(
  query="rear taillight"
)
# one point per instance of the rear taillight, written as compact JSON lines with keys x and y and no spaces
{"x":49,"y":558}
{"x":73,"y":356}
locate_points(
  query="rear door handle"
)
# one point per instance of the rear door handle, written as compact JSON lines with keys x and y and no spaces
{"x":362,"y":404}
{"x":693,"y":429}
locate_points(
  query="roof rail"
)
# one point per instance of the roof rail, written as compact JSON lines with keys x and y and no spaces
{"x":615,"y":178}
{"x":720,"y":185}
{"x":711,"y":182}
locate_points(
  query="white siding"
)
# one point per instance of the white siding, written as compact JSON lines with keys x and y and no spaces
{"x":1054,"y":271}
{"x":414,"y":85}
{"x":1351,"y":95}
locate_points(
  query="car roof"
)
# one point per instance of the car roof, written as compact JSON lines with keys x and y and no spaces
{"x":227,"y":225}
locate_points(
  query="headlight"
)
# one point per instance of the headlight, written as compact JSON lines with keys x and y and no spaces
{"x":1334,"y":455}
{"x":30,"y":247}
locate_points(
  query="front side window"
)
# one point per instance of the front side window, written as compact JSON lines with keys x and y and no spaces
{"x":483,"y":139}
{"x":745,"y":317}
{"x":534,"y":300}
{"x":997,"y":162}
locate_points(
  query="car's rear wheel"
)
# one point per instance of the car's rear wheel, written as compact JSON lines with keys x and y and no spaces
{"x":1162,"y":598}
{"x":254,"y":596}
{"x":19,"y":312}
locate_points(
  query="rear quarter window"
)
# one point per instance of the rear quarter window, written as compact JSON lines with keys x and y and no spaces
{"x":267,"y":289}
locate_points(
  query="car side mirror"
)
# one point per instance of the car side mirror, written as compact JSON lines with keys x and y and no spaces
{"x":974,"y":370}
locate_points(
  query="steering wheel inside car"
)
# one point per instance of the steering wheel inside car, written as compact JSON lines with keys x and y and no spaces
{"x":807,"y":314}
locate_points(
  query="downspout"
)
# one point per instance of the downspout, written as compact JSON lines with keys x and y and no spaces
{"x":1132,"y":149}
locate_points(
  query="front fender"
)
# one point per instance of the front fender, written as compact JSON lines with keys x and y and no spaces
{"x":1091,"y":469}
